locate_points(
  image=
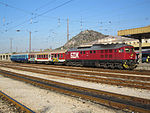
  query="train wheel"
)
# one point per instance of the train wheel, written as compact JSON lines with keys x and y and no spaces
{"x":105,"y":66}
{"x":97,"y":64}
{"x":112,"y":66}
{"x":46,"y":63}
{"x":120,"y":66}
{"x":68,"y":63}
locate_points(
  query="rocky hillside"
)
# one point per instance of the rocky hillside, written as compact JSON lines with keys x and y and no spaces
{"x":83,"y":37}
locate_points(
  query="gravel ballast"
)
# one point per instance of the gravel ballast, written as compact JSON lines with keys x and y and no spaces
{"x":142,"y":93}
{"x":45,"y":101}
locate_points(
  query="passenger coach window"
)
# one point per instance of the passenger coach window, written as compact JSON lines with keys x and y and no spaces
{"x":90,"y":51}
{"x":83,"y":52}
{"x":94,"y":51}
{"x":61,"y":55}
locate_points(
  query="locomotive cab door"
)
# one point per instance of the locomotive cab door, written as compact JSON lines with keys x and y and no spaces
{"x":119,"y":54}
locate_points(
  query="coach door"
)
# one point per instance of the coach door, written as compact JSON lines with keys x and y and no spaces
{"x":49,"y":57}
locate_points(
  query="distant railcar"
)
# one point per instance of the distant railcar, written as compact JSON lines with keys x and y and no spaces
{"x":120,"y":56}
{"x":19,"y":58}
{"x":47,"y":58}
{"x":145,"y":55}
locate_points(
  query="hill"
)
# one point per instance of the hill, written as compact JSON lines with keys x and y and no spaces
{"x":82,"y":38}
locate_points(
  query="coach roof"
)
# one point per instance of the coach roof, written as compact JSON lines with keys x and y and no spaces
{"x":99,"y":47}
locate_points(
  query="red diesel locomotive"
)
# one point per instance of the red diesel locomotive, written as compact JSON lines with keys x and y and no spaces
{"x":120,"y":56}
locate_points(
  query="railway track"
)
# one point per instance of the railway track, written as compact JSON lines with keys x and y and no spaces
{"x":91,"y":76}
{"x":137,"y":72}
{"x":117,"y":101}
{"x":15,"y":106}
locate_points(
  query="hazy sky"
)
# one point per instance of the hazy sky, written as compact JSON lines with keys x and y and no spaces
{"x":47,"y":20}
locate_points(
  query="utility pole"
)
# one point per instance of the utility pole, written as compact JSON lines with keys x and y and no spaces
{"x":29,"y":41}
{"x":16,"y":49}
{"x":67,"y":29}
{"x":10,"y":45}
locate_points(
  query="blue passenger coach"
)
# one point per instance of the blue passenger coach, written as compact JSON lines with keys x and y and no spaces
{"x":19,"y":58}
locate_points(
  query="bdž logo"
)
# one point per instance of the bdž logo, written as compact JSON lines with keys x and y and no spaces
{"x":74,"y":55}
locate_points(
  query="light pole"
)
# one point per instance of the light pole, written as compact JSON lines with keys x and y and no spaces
{"x":29,"y":40}
{"x":11,"y":45}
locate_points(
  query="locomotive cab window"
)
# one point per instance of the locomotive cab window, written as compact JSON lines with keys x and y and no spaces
{"x":127,"y":50}
{"x":121,"y":50}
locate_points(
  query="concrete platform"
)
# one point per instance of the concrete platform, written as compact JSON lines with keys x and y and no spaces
{"x":143,"y":66}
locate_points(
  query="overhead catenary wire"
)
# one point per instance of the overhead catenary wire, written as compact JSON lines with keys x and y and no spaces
{"x":19,"y":9}
{"x":39,"y":15}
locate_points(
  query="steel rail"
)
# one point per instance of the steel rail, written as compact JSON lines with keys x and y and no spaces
{"x":16,"y":103}
{"x":84,"y":71}
{"x":110,"y":81}
{"x":126,"y":103}
{"x":138,"y":72}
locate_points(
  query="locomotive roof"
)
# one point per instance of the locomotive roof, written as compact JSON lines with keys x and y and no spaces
{"x":99,"y":47}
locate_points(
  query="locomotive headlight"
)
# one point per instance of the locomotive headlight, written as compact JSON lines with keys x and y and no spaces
{"x":131,"y":56}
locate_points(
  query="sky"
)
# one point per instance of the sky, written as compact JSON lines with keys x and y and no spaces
{"x":47,"y":20}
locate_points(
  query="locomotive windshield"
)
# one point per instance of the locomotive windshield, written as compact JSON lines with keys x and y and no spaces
{"x":132,"y":49}
{"x":127,"y":50}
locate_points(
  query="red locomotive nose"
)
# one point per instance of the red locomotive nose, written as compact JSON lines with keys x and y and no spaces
{"x":131,"y":56}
